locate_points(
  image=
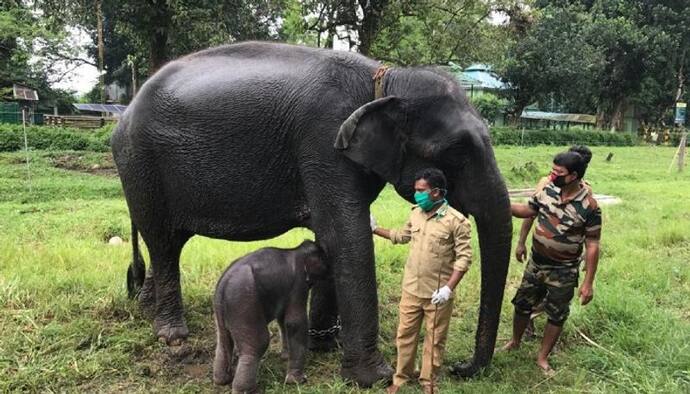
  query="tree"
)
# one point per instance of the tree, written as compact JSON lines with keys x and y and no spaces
{"x":553,"y":62}
{"x":603,"y":56}
{"x":148,"y":33}
{"x":26,"y":39}
{"x":438,"y":31}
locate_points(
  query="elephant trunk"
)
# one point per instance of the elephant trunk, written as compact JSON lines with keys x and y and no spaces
{"x":486,"y":198}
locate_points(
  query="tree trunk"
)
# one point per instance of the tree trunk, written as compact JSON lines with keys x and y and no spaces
{"x":371,"y":22}
{"x":134,"y":79}
{"x":617,"y":115}
{"x":101,"y":49}
{"x":158,"y":39}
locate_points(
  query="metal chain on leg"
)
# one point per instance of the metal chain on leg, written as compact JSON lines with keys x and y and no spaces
{"x":330,"y":331}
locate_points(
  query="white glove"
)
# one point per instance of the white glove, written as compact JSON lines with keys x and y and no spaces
{"x":372,"y":223}
{"x":441,"y":296}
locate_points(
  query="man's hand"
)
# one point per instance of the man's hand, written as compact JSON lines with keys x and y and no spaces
{"x":441,"y":295}
{"x":586,"y":293}
{"x":520,"y":252}
{"x":372,"y":223}
{"x":522,"y":210}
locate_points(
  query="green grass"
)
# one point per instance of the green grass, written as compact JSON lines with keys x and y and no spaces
{"x":67,"y":324}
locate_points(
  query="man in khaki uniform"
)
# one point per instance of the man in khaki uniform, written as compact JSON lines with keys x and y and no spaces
{"x":440,"y":254}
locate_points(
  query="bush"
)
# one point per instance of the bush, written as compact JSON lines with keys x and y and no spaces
{"x":489,"y":106}
{"x":508,"y":136}
{"x":54,"y":138}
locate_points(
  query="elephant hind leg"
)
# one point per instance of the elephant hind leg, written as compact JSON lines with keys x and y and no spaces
{"x":147,"y":295}
{"x":249,"y":330}
{"x":168,"y":324}
{"x":223,"y":368}
{"x":136,"y":272}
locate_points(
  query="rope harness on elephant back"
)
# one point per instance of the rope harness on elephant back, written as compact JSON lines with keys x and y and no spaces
{"x":378,"y":81}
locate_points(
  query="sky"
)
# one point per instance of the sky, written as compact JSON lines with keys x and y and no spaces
{"x":83,"y":78}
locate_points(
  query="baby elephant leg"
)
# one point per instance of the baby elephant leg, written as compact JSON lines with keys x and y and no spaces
{"x":223,"y":367}
{"x":251,"y":341}
{"x":283,"y":340}
{"x":295,"y":329}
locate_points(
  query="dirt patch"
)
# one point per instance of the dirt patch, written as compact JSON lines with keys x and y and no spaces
{"x":103,"y":164}
{"x":13,"y":160}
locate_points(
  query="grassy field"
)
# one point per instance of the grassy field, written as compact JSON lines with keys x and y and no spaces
{"x":67,"y":324}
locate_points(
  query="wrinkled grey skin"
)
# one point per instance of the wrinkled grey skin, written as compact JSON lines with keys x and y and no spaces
{"x":269,"y":284}
{"x":244,"y":142}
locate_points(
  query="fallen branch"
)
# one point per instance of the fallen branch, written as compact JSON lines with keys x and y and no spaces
{"x":547,"y":379}
{"x":591,"y":342}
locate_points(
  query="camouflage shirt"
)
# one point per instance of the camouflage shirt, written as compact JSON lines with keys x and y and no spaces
{"x":563,"y":225}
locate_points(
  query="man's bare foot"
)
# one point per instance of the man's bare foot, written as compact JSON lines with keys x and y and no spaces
{"x":545,"y":367}
{"x":511,"y":345}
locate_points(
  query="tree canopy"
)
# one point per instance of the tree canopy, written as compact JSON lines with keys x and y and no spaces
{"x":591,"y":56}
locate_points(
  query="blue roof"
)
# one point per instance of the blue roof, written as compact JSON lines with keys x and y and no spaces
{"x":486,"y":78}
{"x":478,"y":76}
{"x":112,"y":108}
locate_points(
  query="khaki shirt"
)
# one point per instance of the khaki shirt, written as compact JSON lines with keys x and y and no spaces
{"x":440,"y":243}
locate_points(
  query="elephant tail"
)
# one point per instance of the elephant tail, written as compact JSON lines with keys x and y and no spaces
{"x":136,"y":273}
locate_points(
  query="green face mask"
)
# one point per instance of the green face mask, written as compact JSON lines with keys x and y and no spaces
{"x":423,"y":199}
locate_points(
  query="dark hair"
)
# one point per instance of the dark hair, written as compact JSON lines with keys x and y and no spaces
{"x":572,"y":161}
{"x":433,"y":176}
{"x":583,"y":150}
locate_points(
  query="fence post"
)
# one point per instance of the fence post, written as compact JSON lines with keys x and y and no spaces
{"x":26,"y":148}
{"x":681,"y":151}
{"x":679,"y":157}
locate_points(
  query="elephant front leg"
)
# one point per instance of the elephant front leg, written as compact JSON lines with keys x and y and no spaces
{"x":324,"y":325}
{"x":351,"y":249}
{"x":295,"y":326}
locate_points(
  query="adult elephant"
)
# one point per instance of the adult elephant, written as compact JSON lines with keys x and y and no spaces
{"x":244,"y":142}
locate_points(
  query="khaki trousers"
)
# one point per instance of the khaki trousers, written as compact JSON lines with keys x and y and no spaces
{"x":412,"y":311}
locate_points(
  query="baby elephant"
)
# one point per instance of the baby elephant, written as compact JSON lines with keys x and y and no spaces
{"x":262,"y":286}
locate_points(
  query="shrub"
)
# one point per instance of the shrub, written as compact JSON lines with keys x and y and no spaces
{"x":508,"y":136}
{"x":489,"y":106}
{"x":54,"y":138}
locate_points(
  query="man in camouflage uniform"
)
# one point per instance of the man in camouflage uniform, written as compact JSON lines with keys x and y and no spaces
{"x":521,"y":248}
{"x":568,"y":218}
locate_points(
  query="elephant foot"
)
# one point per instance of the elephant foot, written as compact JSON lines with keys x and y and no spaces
{"x":323,"y":344}
{"x":172,"y":334}
{"x":366,"y":373}
{"x":295,"y":377}
{"x":250,"y":391}
{"x":464,"y":370}
{"x":222,"y":378}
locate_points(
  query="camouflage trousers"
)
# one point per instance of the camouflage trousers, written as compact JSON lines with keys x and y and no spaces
{"x":553,"y":284}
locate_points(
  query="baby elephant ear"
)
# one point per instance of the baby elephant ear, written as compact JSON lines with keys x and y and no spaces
{"x":372,"y":137}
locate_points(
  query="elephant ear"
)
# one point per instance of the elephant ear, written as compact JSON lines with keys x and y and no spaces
{"x":372,"y":137}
